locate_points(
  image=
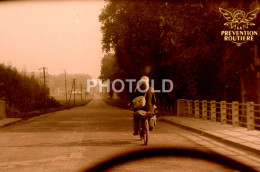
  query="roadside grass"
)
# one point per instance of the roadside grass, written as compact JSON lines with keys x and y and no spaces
{"x":62,"y":106}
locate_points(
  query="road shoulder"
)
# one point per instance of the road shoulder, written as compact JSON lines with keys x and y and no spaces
{"x":9,"y":121}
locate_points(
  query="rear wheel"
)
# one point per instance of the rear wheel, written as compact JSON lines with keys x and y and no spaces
{"x":141,"y":133}
{"x":152,"y":123}
{"x":141,"y":130}
{"x":146,"y":131}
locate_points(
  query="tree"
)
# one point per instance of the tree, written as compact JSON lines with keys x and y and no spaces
{"x":243,"y":61}
{"x":23,"y":93}
{"x":176,"y":40}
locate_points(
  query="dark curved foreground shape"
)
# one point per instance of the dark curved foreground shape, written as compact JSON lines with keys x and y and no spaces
{"x":169,"y":152}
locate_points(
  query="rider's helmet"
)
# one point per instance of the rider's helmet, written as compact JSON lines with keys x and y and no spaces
{"x":144,"y":83}
{"x":145,"y":78}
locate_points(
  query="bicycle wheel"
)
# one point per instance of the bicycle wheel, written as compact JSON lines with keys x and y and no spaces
{"x":146,"y":131}
{"x":141,"y":135}
{"x":141,"y":132}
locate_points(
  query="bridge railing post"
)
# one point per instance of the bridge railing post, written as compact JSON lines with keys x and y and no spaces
{"x":2,"y":109}
{"x":204,"y":109}
{"x":235,"y":114}
{"x":185,"y":107}
{"x":189,"y":107}
{"x":223,"y":112}
{"x":178,"y":107}
{"x":181,"y":107}
{"x":213,"y":110}
{"x":197,"y":108}
{"x":250,"y":116}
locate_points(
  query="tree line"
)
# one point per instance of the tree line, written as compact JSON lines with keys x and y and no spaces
{"x":56,"y":83}
{"x":181,"y":41}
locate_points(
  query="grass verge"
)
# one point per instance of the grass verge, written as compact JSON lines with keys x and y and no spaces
{"x":31,"y":114}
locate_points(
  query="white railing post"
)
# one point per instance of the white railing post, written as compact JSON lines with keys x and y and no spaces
{"x":197,"y":108}
{"x":178,"y":107}
{"x":189,"y":107}
{"x":235,"y":114}
{"x":250,"y":116}
{"x":2,"y":109}
{"x":204,"y":109}
{"x":223,"y":112}
{"x":213,"y":110}
{"x":181,"y":109}
{"x":185,"y":107}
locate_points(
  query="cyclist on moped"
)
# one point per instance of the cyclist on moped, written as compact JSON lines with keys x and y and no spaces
{"x":143,"y":90}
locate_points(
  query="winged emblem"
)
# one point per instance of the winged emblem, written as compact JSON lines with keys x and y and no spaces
{"x":239,"y":18}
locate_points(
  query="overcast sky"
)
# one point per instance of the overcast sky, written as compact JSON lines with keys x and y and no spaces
{"x":55,"y":34}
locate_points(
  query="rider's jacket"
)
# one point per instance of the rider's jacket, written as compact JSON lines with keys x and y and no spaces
{"x":150,"y":98}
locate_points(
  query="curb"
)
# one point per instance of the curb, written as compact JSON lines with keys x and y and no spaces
{"x":217,"y":138}
{"x":18,"y":120}
{"x":14,"y":121}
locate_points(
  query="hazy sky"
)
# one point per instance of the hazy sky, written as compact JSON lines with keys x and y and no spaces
{"x":55,"y":34}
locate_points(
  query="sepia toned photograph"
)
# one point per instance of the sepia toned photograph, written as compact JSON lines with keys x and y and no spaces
{"x":129,"y":86}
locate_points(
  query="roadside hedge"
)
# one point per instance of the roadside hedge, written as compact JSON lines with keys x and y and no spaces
{"x":23,"y":93}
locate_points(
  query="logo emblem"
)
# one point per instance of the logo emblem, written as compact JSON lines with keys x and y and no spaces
{"x":239,"y":22}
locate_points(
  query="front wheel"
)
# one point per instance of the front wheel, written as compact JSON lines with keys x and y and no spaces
{"x":146,"y":131}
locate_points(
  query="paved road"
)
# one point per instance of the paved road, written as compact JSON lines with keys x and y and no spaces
{"x":72,"y":139}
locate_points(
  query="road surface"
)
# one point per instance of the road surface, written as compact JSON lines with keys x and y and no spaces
{"x":72,"y":139}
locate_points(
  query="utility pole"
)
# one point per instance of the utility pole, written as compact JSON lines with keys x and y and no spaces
{"x":44,"y":76}
{"x":85,"y":94}
{"x":73,"y":85}
{"x":66,"y":86}
{"x":81,"y":91}
{"x":74,"y":89}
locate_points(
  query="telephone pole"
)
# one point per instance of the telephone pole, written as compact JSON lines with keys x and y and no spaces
{"x":66,"y":86}
{"x":81,"y":91}
{"x":44,"y":76}
{"x":74,"y":90}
